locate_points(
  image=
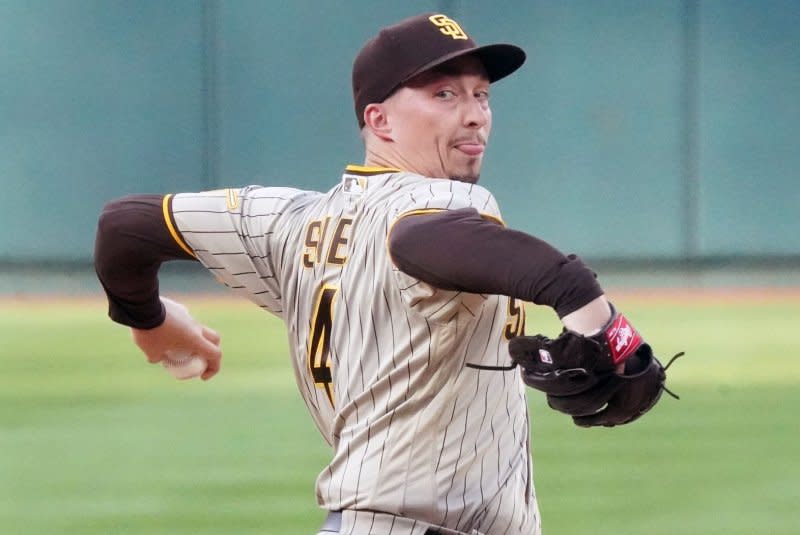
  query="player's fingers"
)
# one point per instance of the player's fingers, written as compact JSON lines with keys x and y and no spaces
{"x":154,"y":358}
{"x":210,"y":351}
{"x":211,"y":335}
{"x":212,"y":368}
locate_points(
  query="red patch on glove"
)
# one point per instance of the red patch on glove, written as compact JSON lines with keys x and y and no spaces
{"x":623,"y":340}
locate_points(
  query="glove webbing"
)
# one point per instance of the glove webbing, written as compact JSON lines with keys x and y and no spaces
{"x":663,"y":386}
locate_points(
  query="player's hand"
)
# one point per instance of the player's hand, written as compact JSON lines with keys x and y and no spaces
{"x":611,"y":378}
{"x":180,"y":333}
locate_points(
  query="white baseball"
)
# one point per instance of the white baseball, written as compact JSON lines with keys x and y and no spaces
{"x":183,"y":365}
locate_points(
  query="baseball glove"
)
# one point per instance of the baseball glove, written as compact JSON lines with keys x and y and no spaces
{"x":611,"y":378}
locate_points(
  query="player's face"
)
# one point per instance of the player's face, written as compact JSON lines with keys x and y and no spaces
{"x":440,"y":121}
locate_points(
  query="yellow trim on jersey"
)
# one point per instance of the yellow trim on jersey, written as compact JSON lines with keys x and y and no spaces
{"x":232,"y":199}
{"x":370,"y":169}
{"x":391,"y":228}
{"x":171,"y":227}
{"x":423,"y":211}
{"x":493,"y":218}
{"x":412,"y":212}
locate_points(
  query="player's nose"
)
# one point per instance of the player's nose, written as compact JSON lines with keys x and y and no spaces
{"x":476,"y":113}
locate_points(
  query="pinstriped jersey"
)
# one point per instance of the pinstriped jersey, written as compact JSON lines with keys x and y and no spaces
{"x":410,"y":384}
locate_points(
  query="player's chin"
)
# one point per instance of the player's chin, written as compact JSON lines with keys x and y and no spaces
{"x":465,"y":170}
{"x":466,"y":174}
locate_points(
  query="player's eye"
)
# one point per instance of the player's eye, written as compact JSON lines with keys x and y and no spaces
{"x":483,"y":94}
{"x":445,"y":94}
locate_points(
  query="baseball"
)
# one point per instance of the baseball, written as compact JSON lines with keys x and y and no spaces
{"x":184,"y":365}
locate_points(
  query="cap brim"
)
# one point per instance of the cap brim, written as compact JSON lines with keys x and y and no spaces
{"x":499,"y":60}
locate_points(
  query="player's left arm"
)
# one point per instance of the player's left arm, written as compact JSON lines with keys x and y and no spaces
{"x":620,"y":379}
{"x":461,"y":250}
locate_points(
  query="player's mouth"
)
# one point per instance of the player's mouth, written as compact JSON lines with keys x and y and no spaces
{"x":471,"y":148}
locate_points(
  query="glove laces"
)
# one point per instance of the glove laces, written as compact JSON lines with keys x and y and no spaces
{"x":663,"y":386}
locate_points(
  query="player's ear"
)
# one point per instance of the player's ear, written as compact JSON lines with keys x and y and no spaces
{"x":377,"y":121}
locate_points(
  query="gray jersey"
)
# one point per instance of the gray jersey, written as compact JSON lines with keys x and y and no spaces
{"x":411,"y":385}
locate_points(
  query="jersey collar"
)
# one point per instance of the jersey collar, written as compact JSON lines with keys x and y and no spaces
{"x":362,"y":170}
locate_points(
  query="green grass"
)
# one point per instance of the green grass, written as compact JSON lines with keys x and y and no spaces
{"x":96,"y":441}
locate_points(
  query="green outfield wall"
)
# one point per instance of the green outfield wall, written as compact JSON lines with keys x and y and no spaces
{"x":659,"y":130}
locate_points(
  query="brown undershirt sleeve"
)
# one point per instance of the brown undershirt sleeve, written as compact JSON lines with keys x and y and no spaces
{"x":131,"y":243}
{"x":459,"y":250}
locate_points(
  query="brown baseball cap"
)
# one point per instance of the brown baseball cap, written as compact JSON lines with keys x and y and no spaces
{"x":414,"y":45}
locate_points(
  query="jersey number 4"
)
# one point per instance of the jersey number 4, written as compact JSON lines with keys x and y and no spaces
{"x":319,"y":340}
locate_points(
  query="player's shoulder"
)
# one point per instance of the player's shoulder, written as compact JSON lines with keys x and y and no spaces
{"x":280,"y":194}
{"x":233,"y":196}
{"x":265,"y":203}
{"x":415,"y":192}
{"x":257,"y":199}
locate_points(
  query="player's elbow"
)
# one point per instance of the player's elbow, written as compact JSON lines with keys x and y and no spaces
{"x":110,"y":227}
{"x":122,"y":226}
{"x":107,"y":220}
{"x":112,"y":220}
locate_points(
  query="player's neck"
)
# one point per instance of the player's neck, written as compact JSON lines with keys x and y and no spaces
{"x":394,"y":160}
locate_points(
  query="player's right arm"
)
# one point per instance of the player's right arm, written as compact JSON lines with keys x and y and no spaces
{"x":134,"y":237}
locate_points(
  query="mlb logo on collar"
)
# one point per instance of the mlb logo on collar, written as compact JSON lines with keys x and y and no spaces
{"x":355,"y":184}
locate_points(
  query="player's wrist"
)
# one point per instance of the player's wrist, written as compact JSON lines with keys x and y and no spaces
{"x":591,"y":319}
{"x":142,"y":316}
{"x":622,"y":338}
{"x":602,"y":322}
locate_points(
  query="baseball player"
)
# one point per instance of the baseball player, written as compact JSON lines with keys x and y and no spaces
{"x":400,"y":288}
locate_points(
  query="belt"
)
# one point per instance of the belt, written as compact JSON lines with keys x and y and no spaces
{"x":333,"y":522}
